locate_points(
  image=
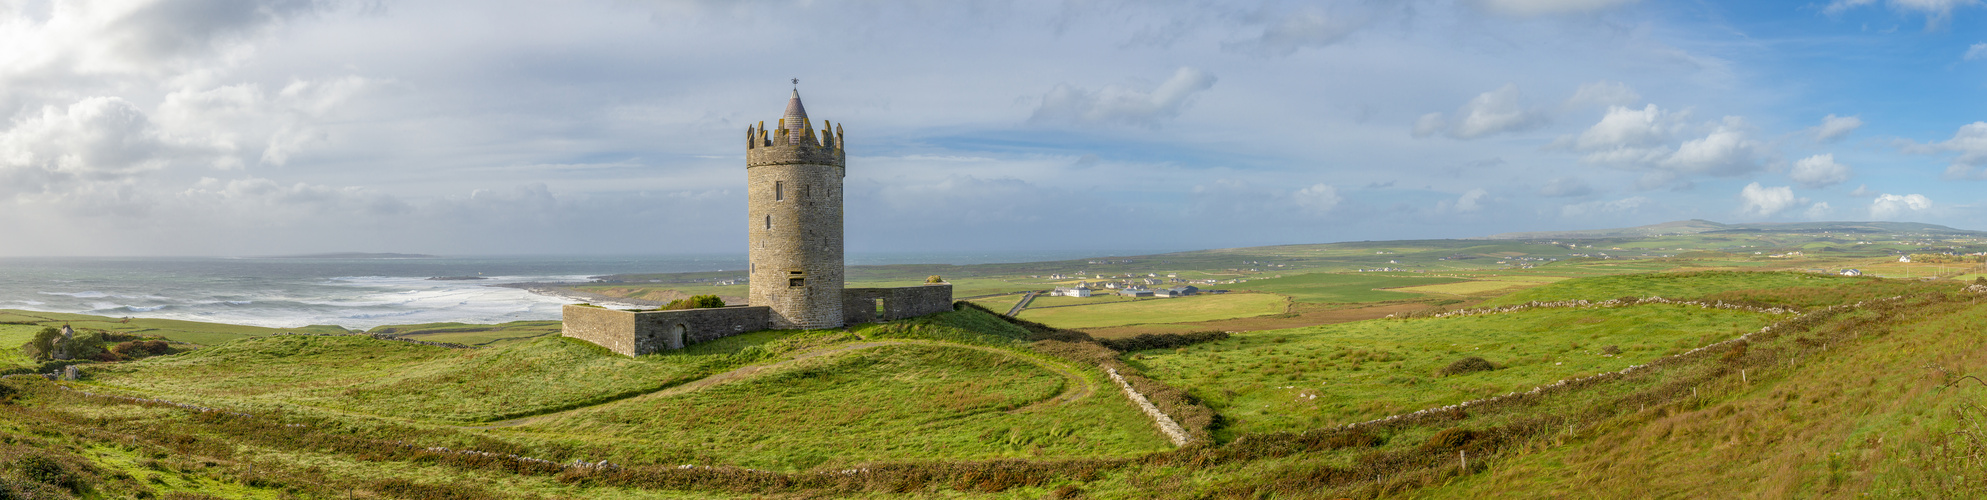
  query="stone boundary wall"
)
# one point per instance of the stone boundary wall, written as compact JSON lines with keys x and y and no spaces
{"x":636,"y":333}
{"x":1167,"y":426}
{"x":859,"y":304}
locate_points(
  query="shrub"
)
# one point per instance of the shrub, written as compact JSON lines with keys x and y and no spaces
{"x":1613,"y":349}
{"x":1980,"y":280}
{"x":1449,"y":439}
{"x":42,"y":345}
{"x":695,"y":302}
{"x":142,"y":348}
{"x":43,"y":469}
{"x":1470,"y":364}
{"x":934,"y":279}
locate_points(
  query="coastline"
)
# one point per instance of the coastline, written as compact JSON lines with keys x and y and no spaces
{"x":560,"y":291}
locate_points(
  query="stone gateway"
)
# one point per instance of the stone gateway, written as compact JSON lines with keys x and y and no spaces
{"x":793,"y":181}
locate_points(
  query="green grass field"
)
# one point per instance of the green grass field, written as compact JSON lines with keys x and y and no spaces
{"x":184,"y":331}
{"x":398,"y":379}
{"x":471,"y":334}
{"x":895,"y":402}
{"x":1672,"y":285}
{"x":1173,"y":310}
{"x":1288,"y":380}
{"x":1334,"y":287}
{"x":1465,"y":287}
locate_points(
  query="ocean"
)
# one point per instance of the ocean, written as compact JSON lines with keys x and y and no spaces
{"x":355,"y":293}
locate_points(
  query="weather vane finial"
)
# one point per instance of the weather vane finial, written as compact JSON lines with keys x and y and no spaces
{"x":796,"y":82}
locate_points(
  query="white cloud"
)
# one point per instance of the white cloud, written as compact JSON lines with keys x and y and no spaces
{"x":98,"y":139}
{"x":1603,"y":93}
{"x":1311,"y":26}
{"x":1640,"y":139}
{"x":1726,"y":151}
{"x":1625,"y":205}
{"x":1625,"y":128}
{"x":1318,"y":199}
{"x":1863,"y":191}
{"x":1971,"y":144}
{"x":1889,"y":206}
{"x":1470,"y":201}
{"x":1833,"y":127}
{"x":1976,"y":52}
{"x":1528,"y":8}
{"x":1429,"y":124}
{"x":1819,"y":171}
{"x":1819,"y":211}
{"x":1494,"y":112}
{"x":1765,"y":201}
{"x":1118,"y":104}
{"x":1937,"y":12}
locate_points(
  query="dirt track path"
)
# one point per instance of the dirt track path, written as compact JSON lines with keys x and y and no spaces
{"x":1076,"y":387}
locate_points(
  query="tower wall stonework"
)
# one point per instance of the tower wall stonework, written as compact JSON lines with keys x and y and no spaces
{"x":794,"y":192}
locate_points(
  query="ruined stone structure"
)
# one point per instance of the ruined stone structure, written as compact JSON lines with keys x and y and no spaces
{"x":793,"y":177}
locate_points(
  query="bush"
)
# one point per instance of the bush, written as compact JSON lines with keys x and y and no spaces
{"x":42,"y":346}
{"x":934,"y":279}
{"x":43,"y":469}
{"x":1613,"y":349}
{"x":1449,"y":439}
{"x":1980,"y":280}
{"x":1470,"y":364}
{"x":695,"y":302}
{"x":142,"y":348}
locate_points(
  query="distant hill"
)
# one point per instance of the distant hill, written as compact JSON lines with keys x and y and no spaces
{"x":1701,"y":226}
{"x":352,"y":255}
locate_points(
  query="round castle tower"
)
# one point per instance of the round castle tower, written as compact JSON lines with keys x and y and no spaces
{"x":794,"y":187}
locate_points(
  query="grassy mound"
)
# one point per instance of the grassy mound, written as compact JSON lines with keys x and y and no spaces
{"x":401,"y":379}
{"x":892,"y":402}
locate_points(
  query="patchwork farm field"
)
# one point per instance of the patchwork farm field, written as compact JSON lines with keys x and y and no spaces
{"x":1290,"y":380}
{"x":1346,"y":287}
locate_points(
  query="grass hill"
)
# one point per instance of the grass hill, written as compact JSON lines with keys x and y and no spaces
{"x":1428,"y":369}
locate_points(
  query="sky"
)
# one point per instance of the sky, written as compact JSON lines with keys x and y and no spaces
{"x":261,"y":127}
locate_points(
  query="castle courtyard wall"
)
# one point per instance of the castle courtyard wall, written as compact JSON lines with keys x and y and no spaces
{"x":859,"y":304}
{"x":636,"y":333}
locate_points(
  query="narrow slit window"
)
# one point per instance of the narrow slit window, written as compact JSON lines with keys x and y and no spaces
{"x":769,"y":222}
{"x":779,"y":190}
{"x":805,"y":192}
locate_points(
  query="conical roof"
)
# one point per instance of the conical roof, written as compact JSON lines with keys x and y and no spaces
{"x":796,"y":119}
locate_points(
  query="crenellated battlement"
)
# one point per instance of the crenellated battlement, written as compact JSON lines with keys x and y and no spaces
{"x":792,"y":145}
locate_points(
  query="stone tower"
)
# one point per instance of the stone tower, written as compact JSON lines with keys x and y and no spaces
{"x":794,"y":183}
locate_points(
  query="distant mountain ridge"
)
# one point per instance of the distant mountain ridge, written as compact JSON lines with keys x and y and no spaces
{"x":1701,"y":226}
